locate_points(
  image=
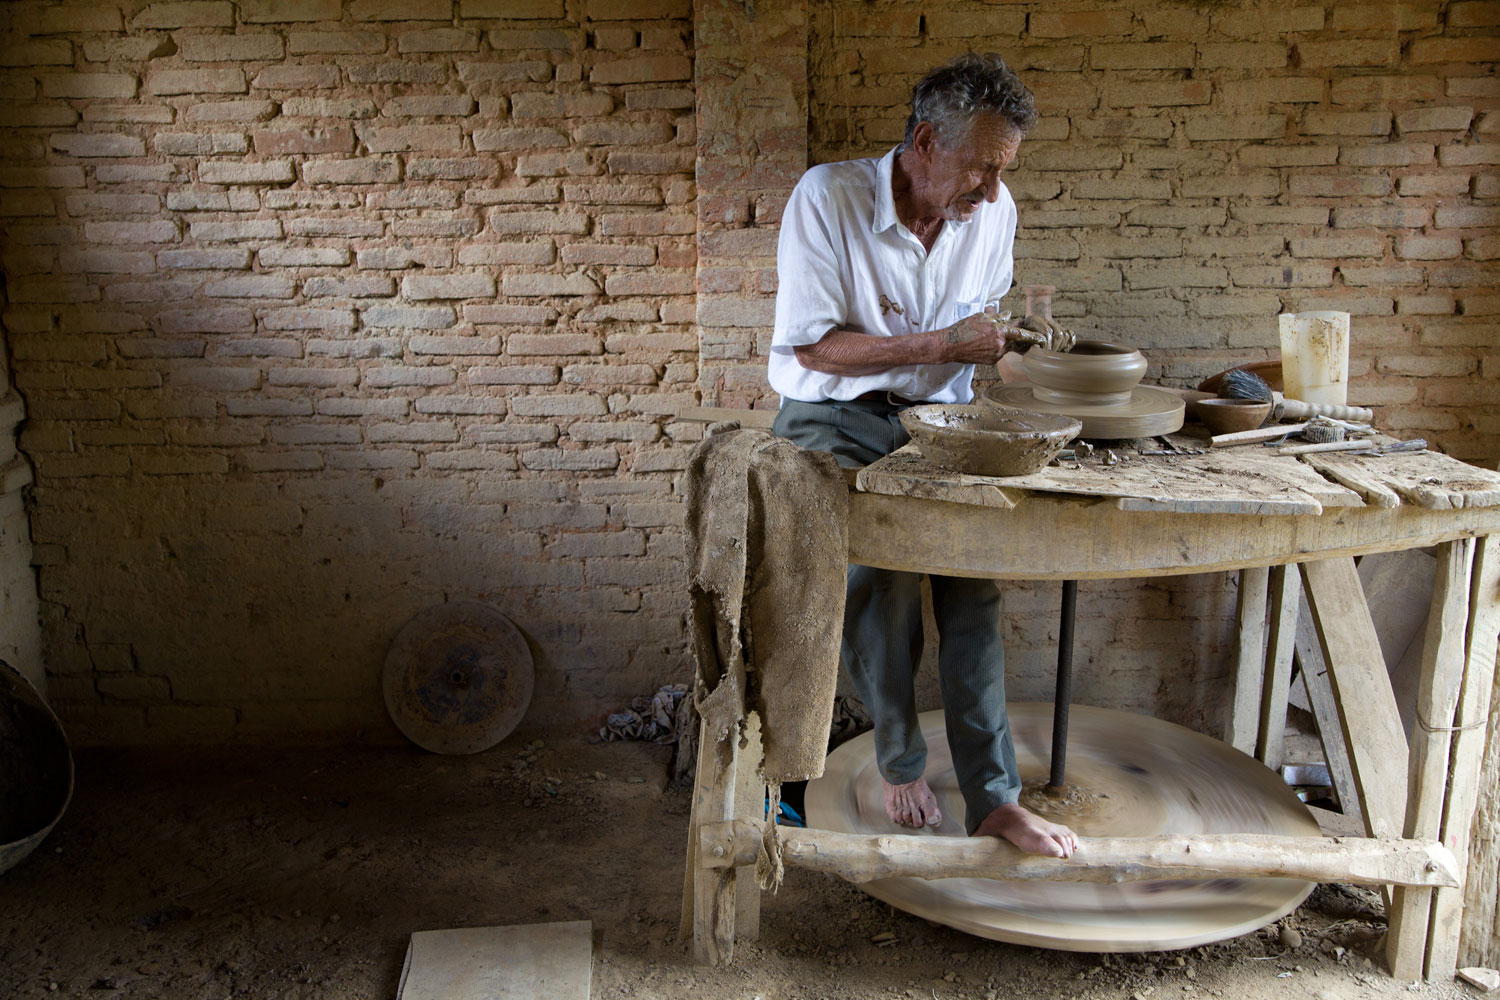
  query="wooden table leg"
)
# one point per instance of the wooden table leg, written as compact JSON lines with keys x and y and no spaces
{"x":1325,"y":709}
{"x":1362,"y":689}
{"x":1443,"y":655}
{"x":1243,"y":720}
{"x":749,"y":804}
{"x":1469,"y":741}
{"x":1285,"y":586}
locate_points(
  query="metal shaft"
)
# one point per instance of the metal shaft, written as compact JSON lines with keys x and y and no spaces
{"x":1064,"y":684}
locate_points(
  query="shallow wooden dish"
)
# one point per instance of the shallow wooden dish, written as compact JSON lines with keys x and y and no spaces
{"x":988,"y":440}
{"x":1225,"y":416}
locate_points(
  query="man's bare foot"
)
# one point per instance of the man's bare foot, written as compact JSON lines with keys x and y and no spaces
{"x":912,"y":804}
{"x":1026,"y":830}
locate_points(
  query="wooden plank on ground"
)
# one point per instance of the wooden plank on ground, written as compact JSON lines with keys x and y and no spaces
{"x":1362,"y":690}
{"x":521,"y":962}
{"x":1475,"y":722}
{"x":1284,"y":585}
{"x":905,"y":472}
{"x":1426,"y":478}
{"x":1242,"y":720}
{"x":1437,"y":700}
{"x":1220,"y":482}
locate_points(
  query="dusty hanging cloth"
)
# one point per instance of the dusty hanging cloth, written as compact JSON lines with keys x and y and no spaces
{"x":768,"y":529}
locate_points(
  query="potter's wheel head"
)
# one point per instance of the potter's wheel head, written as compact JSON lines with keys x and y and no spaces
{"x":1147,"y":412}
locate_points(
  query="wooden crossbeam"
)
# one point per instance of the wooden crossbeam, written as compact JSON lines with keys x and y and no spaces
{"x":863,"y":857}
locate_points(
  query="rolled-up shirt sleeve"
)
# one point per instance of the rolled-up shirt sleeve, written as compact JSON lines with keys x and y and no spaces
{"x":810,"y":289}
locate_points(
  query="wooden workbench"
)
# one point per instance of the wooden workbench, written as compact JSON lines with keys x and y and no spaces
{"x":1291,"y":527}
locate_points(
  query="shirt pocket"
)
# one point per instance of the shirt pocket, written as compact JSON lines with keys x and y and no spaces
{"x":965,"y":308}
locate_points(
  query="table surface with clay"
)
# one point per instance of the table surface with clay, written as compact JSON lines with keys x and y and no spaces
{"x":1175,"y":473}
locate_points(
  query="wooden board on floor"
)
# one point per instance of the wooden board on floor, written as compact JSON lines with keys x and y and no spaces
{"x":1235,"y":481}
{"x":1426,"y":479}
{"x":519,"y":962}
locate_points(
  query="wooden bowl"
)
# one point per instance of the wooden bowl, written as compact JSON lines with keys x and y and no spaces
{"x":988,"y":440}
{"x":1225,"y":416}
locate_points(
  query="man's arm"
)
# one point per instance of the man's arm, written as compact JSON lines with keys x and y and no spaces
{"x":978,"y":339}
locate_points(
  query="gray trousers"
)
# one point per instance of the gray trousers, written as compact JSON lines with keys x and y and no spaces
{"x":882,"y":643}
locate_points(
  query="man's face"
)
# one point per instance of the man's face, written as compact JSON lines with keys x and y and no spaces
{"x":969,"y":173}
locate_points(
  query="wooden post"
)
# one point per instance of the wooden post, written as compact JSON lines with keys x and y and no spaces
{"x":1475,"y":727}
{"x":1243,"y":719}
{"x":1362,"y":690}
{"x":1285,"y":585}
{"x":709,"y":893}
{"x":1437,"y":700}
{"x":749,"y":804}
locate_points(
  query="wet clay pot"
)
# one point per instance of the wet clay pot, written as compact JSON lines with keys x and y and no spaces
{"x":1094,"y":371}
{"x":988,"y":440}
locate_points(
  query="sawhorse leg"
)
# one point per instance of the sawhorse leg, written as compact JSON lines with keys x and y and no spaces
{"x":719,"y":904}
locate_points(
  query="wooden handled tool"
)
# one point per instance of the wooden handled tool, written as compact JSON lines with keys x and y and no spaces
{"x":1296,"y":409}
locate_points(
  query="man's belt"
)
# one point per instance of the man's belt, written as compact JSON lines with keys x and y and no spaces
{"x":886,"y":398}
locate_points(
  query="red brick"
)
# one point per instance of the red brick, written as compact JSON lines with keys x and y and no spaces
{"x":1242,"y":55}
{"x":1079,"y":24}
{"x":1346,"y":122}
{"x":1453,"y":50}
{"x":1385,"y":89}
{"x":1474,"y":14}
{"x":1142,"y":55}
{"x":643,"y":69}
{"x":1384,"y":17}
{"x":1351,"y":52}
{"x":1158,"y":93}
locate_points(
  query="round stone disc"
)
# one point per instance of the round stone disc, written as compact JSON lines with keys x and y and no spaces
{"x":458,"y":678}
{"x":1127,"y":776}
{"x":1150,"y":411}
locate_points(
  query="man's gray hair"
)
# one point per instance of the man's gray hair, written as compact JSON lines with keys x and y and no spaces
{"x":950,"y":97}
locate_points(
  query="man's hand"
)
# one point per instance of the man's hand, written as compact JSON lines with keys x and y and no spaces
{"x":984,"y":337}
{"x":979,"y":339}
{"x":1047,"y":334}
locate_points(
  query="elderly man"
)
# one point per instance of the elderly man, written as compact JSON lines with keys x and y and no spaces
{"x":890,"y":274}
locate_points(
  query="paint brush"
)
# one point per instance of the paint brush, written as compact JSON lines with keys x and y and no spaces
{"x":1241,"y":384}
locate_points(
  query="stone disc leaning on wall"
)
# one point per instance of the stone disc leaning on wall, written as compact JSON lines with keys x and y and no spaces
{"x":458,"y":678}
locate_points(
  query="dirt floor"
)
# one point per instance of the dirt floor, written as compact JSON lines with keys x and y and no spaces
{"x":209,"y":875}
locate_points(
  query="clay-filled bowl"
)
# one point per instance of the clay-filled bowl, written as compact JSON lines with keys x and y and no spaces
{"x":1093,"y":370}
{"x":1225,"y":416}
{"x":988,"y":440}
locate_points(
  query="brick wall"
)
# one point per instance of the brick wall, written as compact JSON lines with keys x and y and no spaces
{"x":324,"y":313}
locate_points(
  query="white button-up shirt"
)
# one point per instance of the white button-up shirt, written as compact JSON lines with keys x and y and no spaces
{"x":845,"y":261}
